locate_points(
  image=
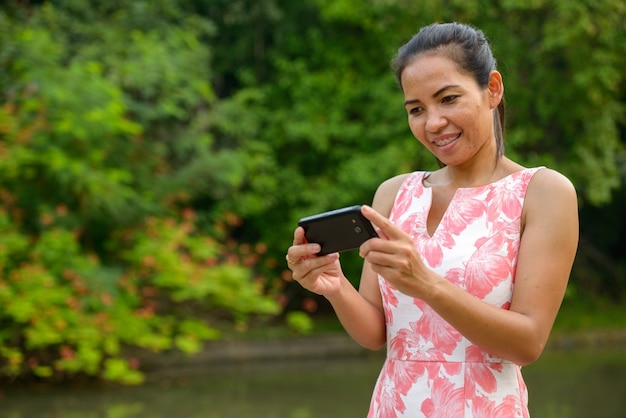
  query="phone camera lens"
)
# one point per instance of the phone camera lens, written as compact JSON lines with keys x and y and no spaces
{"x":358,"y":229}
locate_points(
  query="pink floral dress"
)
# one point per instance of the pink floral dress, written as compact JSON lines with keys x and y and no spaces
{"x":431,"y":370}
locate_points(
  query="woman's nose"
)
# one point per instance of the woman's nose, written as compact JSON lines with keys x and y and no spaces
{"x":435,"y":121}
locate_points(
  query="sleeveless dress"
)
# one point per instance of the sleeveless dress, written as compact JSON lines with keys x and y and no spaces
{"x":431,"y":370}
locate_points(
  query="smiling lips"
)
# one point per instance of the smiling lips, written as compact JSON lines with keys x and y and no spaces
{"x":443,"y":140}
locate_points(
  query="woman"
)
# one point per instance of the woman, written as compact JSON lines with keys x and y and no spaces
{"x":473,"y":259}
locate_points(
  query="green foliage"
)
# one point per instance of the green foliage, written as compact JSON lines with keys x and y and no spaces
{"x":331,"y":110}
{"x":65,"y":313}
{"x":564,"y":77}
{"x":98,"y":155}
{"x":52,"y":314}
{"x":156,"y":155}
{"x":299,"y":322}
{"x":169,"y":258}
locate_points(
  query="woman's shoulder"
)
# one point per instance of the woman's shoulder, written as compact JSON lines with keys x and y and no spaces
{"x":550,"y":211}
{"x":546,"y":180}
{"x":541,"y":179}
{"x":388,"y":190}
{"x":550,"y":191}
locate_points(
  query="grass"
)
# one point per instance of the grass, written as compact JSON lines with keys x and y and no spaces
{"x":576,"y":316}
{"x":590,"y":314}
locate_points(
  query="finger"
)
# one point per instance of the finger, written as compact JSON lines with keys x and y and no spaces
{"x":384,"y":225}
{"x":298,"y":236}
{"x":307,"y":270}
{"x":301,"y":249}
{"x":381,"y":234}
{"x":297,"y":253}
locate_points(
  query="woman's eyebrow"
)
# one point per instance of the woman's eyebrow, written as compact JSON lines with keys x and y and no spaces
{"x":412,"y":101}
{"x":444,"y":88}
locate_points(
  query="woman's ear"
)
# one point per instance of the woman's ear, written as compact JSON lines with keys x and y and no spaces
{"x":496,"y":88}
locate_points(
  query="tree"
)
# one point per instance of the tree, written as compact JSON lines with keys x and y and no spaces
{"x":326,"y":101}
{"x":171,"y":146}
{"x":101,"y":155}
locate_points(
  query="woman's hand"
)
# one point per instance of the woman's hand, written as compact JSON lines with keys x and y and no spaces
{"x":319,"y":274}
{"x":395,"y":258}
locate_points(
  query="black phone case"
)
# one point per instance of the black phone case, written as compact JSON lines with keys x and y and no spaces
{"x":338,"y":230}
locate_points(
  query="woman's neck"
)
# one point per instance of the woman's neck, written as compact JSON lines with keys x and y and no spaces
{"x":473,"y":175}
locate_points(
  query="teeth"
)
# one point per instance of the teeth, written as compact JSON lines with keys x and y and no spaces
{"x":445,"y":142}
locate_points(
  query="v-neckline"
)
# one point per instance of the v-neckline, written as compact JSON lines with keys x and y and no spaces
{"x":430,"y":234}
{"x":444,"y":214}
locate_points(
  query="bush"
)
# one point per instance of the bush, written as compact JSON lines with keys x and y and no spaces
{"x":64,"y":313}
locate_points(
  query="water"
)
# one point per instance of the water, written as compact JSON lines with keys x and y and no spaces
{"x":578,"y":384}
{"x":561,"y":385}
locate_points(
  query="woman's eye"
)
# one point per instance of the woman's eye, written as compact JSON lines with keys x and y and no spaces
{"x":415,"y":110}
{"x":449,"y":99}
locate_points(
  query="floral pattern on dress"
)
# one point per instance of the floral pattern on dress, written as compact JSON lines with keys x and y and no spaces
{"x":431,"y":370}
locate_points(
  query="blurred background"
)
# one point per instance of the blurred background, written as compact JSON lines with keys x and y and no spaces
{"x":155,"y":157}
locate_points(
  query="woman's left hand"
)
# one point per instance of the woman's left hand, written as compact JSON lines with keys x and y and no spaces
{"x":394,"y":256}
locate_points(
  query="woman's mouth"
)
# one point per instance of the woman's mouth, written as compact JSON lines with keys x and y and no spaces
{"x":443,"y":140}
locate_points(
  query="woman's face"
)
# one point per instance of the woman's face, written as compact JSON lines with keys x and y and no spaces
{"x":448,"y":112}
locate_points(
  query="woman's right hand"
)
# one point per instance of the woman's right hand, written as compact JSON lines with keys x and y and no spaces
{"x":319,"y":274}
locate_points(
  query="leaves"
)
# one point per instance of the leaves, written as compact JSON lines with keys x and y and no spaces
{"x":98,"y":151}
{"x":156,"y":155}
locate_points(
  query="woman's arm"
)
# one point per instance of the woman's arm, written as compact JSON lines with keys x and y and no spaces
{"x":547,"y":249}
{"x":360,"y":312}
{"x":365,"y":323}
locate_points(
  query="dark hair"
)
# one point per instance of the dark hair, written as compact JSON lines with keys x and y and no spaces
{"x":467,"y":47}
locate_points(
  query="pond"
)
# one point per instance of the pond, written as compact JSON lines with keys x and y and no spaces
{"x":571,"y":384}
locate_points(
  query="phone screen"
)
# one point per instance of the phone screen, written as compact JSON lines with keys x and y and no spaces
{"x":338,"y":230}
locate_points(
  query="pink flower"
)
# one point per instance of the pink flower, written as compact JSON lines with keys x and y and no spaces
{"x":510,"y":407}
{"x":396,"y":380}
{"x":446,"y":401}
{"x":469,"y":208}
{"x":431,"y":249}
{"x":488,"y":267}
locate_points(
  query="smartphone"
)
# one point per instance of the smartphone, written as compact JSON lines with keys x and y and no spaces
{"x":338,"y":230}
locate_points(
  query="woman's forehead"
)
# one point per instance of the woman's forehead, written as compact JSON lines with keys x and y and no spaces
{"x":432,"y":71}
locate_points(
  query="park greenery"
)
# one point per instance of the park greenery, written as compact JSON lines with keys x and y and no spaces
{"x":155,"y":156}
